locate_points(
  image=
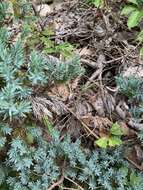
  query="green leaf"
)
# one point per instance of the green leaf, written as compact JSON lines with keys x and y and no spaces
{"x":97,"y":3}
{"x":65,"y":49}
{"x":49,"y":50}
{"x":134,"y":18}
{"x":135,"y":2}
{"x":47,"y":43}
{"x":116,"y":130}
{"x":114,"y":141}
{"x":102,"y":142}
{"x":128,"y":9}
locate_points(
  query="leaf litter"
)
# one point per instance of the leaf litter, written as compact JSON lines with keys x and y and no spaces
{"x":89,"y":105}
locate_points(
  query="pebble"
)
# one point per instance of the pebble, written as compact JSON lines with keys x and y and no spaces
{"x":44,"y":10}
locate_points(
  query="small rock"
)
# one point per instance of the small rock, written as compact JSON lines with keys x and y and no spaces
{"x":44,"y":10}
{"x":100,"y":31}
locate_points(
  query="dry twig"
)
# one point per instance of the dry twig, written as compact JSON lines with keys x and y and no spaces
{"x":60,"y":181}
{"x":57,"y":183}
{"x":83,"y":124}
{"x":132,"y":162}
{"x":74,"y":183}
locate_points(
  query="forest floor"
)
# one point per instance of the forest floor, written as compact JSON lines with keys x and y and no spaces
{"x":107,"y":49}
{"x":95,"y":107}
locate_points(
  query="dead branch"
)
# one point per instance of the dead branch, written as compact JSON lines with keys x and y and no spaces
{"x":74,"y":183}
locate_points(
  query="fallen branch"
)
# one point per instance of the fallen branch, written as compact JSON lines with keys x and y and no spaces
{"x":58,"y":183}
{"x":132,"y":162}
{"x":89,"y":63}
{"x":79,"y":187}
{"x":94,"y":76}
{"x":98,"y":72}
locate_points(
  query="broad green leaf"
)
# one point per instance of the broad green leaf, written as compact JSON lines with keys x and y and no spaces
{"x":128,"y":9}
{"x":134,"y":18}
{"x":102,"y":142}
{"x":133,"y":1}
{"x":116,"y":130}
{"x":97,"y":3}
{"x":114,"y":141}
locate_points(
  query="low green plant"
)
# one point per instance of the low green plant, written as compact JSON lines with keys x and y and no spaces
{"x":16,"y":83}
{"x":3,"y":11}
{"x":113,"y":139}
{"x":22,"y":9}
{"x":131,"y":87}
{"x":134,"y":11}
{"x":39,"y":166}
{"x":4,"y":131}
{"x":64,"y":49}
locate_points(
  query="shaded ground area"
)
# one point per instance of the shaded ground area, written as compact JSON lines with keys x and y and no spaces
{"x":89,"y":105}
